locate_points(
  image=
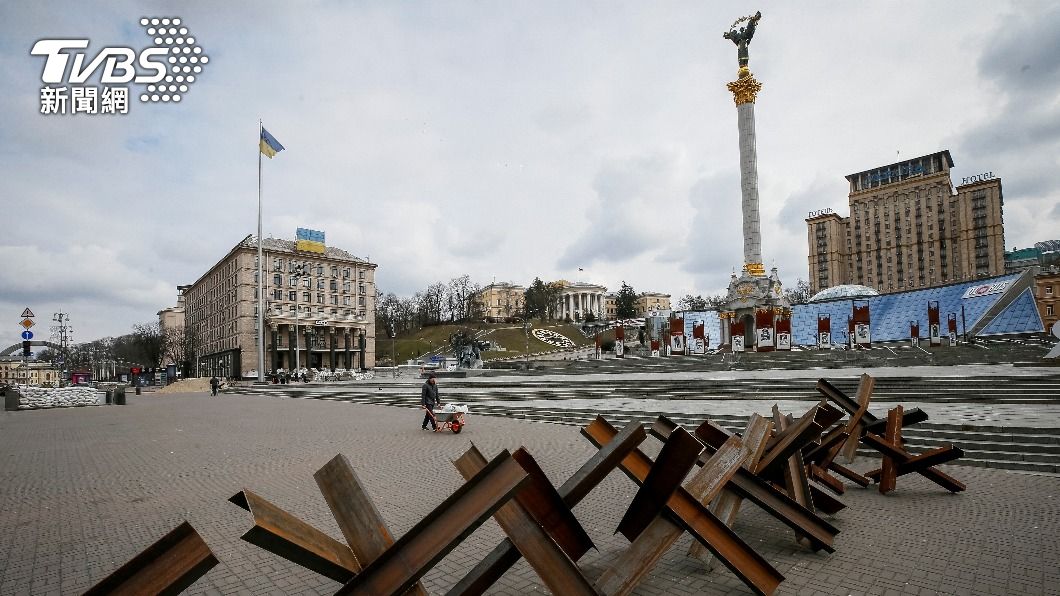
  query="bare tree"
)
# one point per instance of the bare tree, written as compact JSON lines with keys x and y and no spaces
{"x":799,"y":294}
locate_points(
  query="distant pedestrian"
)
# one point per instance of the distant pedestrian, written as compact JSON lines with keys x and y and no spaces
{"x":428,"y":400}
{"x":214,"y":383}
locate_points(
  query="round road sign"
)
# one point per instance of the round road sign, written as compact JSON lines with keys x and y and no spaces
{"x":27,"y":335}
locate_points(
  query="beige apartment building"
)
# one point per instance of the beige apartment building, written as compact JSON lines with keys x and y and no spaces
{"x":319,"y":309}
{"x":909,"y":228}
{"x":13,"y":370}
{"x":652,"y":302}
{"x":501,"y":300}
{"x":1047,"y":297}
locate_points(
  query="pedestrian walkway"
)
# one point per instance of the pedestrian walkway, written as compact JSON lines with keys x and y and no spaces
{"x":84,"y":489}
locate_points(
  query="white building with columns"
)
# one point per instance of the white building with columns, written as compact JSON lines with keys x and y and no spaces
{"x":577,"y":299}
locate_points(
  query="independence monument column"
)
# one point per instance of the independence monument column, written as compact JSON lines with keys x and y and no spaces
{"x":755,"y":314}
{"x":744,"y":89}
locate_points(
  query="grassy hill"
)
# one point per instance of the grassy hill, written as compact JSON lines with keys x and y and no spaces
{"x":434,"y":340}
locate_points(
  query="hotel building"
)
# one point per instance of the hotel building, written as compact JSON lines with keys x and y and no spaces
{"x":319,"y":309}
{"x":910,"y":228}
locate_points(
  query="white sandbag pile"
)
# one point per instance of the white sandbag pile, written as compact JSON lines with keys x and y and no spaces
{"x":31,"y":398}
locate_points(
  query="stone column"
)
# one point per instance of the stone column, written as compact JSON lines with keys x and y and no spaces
{"x":291,"y":342}
{"x":363,"y":344}
{"x":331,"y":352}
{"x":275,"y":329}
{"x":744,"y":90}
{"x":347,"y":363}
{"x":308,"y":347}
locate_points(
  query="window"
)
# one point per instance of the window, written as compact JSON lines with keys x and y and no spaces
{"x":1048,"y":290}
{"x":334,"y":285}
{"x":360,"y":301}
{"x":277,"y":294}
{"x":346,"y":286}
{"x":307,"y":297}
{"x":334,"y":299}
{"x":361,"y":290}
{"x":293,"y":281}
{"x":1049,"y":309}
{"x":346,"y":273}
{"x":277,"y":280}
{"x":320,"y":270}
{"x":320,"y":299}
{"x":346,"y":300}
{"x":320,"y":283}
{"x":334,"y":271}
{"x":292,"y":296}
{"x":307,"y":283}
{"x":360,"y":274}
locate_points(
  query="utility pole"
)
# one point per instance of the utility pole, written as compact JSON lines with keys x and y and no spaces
{"x":61,"y":331}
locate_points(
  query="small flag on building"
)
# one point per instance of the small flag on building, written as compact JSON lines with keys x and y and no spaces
{"x":269,"y":145}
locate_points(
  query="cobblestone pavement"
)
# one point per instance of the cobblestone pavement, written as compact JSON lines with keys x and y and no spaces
{"x":84,"y":489}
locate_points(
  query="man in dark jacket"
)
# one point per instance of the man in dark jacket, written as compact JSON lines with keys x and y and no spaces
{"x":428,"y":400}
{"x":214,"y":383}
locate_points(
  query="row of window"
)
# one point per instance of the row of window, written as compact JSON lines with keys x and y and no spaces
{"x":292,"y":266}
{"x":292,"y":295}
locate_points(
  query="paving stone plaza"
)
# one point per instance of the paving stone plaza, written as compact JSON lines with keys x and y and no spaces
{"x":82,"y":490}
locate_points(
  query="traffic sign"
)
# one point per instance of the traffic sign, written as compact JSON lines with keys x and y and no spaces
{"x":26,"y":323}
{"x":27,"y":334}
{"x":28,"y":313}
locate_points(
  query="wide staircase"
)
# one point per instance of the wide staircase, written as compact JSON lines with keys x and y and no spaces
{"x":994,"y":419}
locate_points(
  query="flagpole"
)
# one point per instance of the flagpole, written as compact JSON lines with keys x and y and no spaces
{"x":261,"y":295}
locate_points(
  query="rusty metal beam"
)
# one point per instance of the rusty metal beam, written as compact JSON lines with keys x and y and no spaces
{"x":866,"y":386}
{"x":740,"y":558}
{"x":888,"y":450}
{"x":801,"y":433}
{"x":889,"y":471}
{"x":841,"y":399}
{"x":819,"y":532}
{"x":547,"y":508}
{"x":624,"y":573}
{"x":504,"y":555}
{"x":927,"y":459}
{"x":398,"y":569}
{"x":283,"y":534}
{"x":358,"y":518}
{"x":826,"y":479}
{"x":825,"y":502}
{"x":168,"y":566}
{"x":727,"y":505}
{"x":546,"y":557}
{"x":679,"y":453}
{"x":849,"y":474}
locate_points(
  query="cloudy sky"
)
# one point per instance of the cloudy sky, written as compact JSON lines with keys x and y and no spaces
{"x":505,"y":140}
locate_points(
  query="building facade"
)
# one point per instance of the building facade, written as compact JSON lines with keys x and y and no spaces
{"x":576,"y":300}
{"x":652,"y":302}
{"x":1047,"y":297}
{"x":319,"y":309}
{"x":13,"y":370}
{"x":501,"y":301}
{"x":909,"y":228}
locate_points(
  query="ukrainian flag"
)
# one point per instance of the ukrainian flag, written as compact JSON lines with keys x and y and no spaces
{"x":269,"y":145}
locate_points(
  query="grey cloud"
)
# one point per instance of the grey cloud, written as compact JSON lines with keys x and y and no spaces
{"x":715,"y":241}
{"x":1021,"y":142}
{"x":1023,"y":56}
{"x":823,"y":192}
{"x":627,"y":217}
